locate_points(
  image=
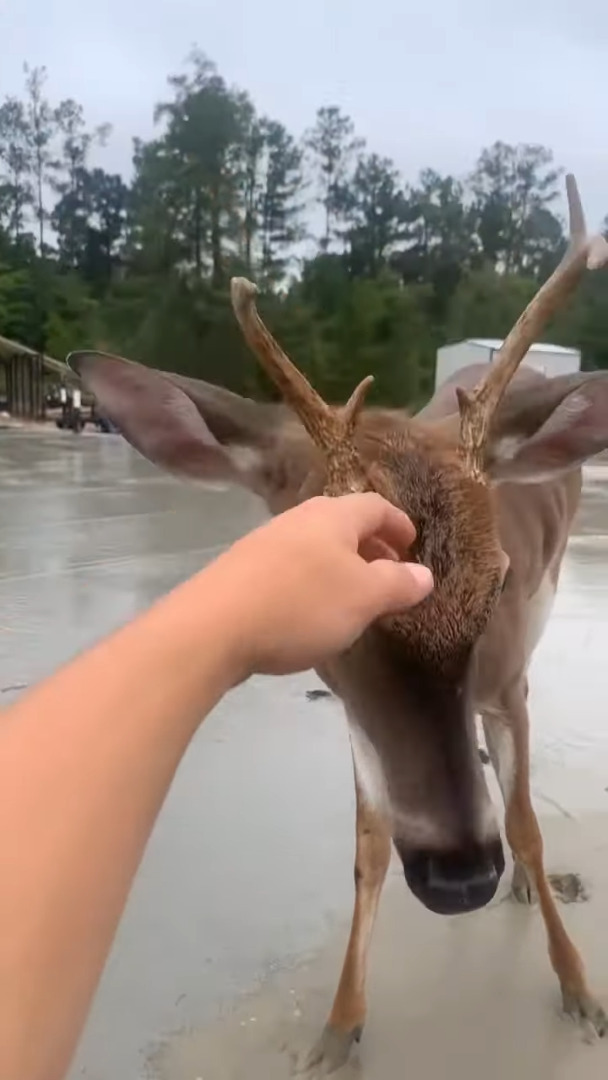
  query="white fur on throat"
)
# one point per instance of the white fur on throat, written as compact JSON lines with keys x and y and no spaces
{"x":368,"y":770}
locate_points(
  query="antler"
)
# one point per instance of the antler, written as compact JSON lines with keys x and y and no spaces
{"x":478,"y":407}
{"x":332,"y":430}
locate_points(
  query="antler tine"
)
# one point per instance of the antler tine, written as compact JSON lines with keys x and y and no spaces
{"x":315,"y":415}
{"x":477,"y":408}
{"x":576,"y":214}
{"x":350,"y":412}
{"x":332,"y":430}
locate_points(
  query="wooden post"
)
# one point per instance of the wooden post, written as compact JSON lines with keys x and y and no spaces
{"x":25,"y":386}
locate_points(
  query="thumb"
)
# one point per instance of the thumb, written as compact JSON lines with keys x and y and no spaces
{"x":395,"y":586}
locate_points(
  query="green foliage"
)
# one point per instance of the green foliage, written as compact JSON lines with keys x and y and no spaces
{"x":72,"y":316}
{"x":359,"y":272}
{"x":17,"y":304}
{"x":486,"y":304}
{"x":351,"y":327}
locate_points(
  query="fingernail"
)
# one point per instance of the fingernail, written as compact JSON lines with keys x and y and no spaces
{"x":422,"y":575}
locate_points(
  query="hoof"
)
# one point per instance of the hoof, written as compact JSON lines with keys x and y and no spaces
{"x":582,"y":1007}
{"x":522,"y":890}
{"x":330,"y":1053}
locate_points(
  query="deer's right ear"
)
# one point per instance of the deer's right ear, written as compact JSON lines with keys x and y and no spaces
{"x":549,"y":427}
{"x":156,"y":416}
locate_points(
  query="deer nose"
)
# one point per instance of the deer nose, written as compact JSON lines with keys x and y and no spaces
{"x":454,"y":882}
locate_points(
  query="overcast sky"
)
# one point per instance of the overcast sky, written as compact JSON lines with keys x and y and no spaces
{"x":426,"y":83}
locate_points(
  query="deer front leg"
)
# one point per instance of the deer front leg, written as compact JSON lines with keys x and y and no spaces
{"x":509,"y":738}
{"x":501,"y":750}
{"x":347,"y":1017}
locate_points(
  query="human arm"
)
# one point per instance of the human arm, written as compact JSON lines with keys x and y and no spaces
{"x":87,"y":757}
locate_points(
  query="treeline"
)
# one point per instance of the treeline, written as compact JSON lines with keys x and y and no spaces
{"x":360,"y":270}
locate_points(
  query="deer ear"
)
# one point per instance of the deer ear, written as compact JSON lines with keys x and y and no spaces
{"x":158,"y":416}
{"x":548,"y":428}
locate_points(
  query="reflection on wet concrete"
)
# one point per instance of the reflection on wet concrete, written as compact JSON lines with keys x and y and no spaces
{"x":569,"y":678}
{"x":90,"y":534}
{"x":251,"y":859}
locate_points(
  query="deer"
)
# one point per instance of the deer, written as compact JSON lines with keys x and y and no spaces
{"x":490,"y":473}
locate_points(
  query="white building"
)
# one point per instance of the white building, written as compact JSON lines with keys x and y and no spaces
{"x":550,"y":359}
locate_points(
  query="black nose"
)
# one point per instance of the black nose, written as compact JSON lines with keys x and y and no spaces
{"x":454,"y":882}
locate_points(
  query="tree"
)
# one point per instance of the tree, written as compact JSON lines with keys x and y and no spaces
{"x":41,"y":131}
{"x":73,"y":181}
{"x":441,"y":245}
{"x":332,"y":146}
{"x":76,"y":142}
{"x":375,"y":212}
{"x":279,"y":206}
{"x":513,"y":188}
{"x":204,"y":139}
{"x":90,"y":220}
{"x":272,"y":183}
{"x":252,"y":158}
{"x":16,"y":193}
{"x":159,"y":229}
{"x":108,"y":200}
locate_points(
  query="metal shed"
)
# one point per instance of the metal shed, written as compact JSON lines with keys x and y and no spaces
{"x":550,"y":359}
{"x":23,"y":371}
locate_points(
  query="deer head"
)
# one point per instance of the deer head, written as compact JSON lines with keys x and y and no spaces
{"x":407,"y":684}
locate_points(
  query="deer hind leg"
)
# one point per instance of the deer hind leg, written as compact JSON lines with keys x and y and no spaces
{"x":347,"y":1017}
{"x":509,"y":738}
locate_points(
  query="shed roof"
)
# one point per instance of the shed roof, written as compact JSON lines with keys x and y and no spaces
{"x":8,"y":348}
{"x":538,"y":347}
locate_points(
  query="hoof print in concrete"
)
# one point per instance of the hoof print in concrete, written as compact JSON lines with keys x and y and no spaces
{"x":317,"y":695}
{"x":569,"y":888}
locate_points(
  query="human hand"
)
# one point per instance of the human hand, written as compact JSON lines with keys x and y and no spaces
{"x":305,"y":586}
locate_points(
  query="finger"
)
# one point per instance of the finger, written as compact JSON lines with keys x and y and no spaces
{"x":394,"y":587}
{"x":375,"y":548}
{"x":371,"y":515}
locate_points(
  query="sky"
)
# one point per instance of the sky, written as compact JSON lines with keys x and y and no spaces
{"x":426,"y":83}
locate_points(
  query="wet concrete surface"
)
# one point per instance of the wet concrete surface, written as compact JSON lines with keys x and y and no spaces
{"x":250,"y":865}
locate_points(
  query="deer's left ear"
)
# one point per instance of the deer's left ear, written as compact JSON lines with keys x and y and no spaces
{"x":547,"y":428}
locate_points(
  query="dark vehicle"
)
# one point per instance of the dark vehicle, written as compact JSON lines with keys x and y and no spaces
{"x":106,"y":426}
{"x":77,"y":422}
